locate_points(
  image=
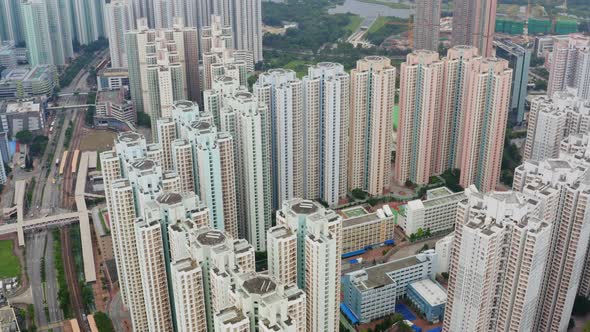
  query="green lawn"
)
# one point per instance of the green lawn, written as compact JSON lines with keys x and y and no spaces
{"x":379,"y":23}
{"x":299,"y":66}
{"x":355,"y":23}
{"x":354,"y":212}
{"x":393,"y":5}
{"x":9,"y":263}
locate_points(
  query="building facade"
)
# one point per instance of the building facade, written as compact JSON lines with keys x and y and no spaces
{"x":371,"y":106}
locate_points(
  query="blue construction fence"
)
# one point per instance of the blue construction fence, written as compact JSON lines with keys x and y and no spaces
{"x":405,"y":312}
{"x":349,"y":314}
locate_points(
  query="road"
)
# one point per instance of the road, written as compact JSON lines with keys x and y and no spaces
{"x":119,"y":315}
{"x":41,"y":245}
{"x":78,"y":84}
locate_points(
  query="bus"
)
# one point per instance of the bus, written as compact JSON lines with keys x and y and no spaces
{"x":63,"y":162}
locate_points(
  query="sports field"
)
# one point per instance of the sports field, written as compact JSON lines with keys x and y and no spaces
{"x":354,"y":212}
{"x":9,"y":263}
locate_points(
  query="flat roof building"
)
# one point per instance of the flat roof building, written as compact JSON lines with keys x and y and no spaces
{"x":18,"y":116}
{"x":436,"y":213}
{"x":371,"y":293}
{"x":429,"y":297}
{"x":365,"y":229}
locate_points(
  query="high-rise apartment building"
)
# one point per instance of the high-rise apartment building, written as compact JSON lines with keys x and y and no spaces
{"x":316,"y":258}
{"x":552,"y":119}
{"x":163,"y":68}
{"x":268,"y":304}
{"x":427,"y":25}
{"x":140,"y":211}
{"x":569,"y":63}
{"x":282,"y":93}
{"x":11,"y":21}
{"x":474,"y":23}
{"x":47,"y":31}
{"x":118,"y":20}
{"x":499,"y":254}
{"x":418,"y":156}
{"x":214,"y":164}
{"x":562,"y":186}
{"x":88,"y":20}
{"x":248,"y":121}
{"x":452,"y":115}
{"x":326,"y":96}
{"x":35,"y":21}
{"x":212,"y":260}
{"x":220,"y":58}
{"x":487,"y":99}
{"x":247,"y":26}
{"x":519,"y":60}
{"x":370,"y":134}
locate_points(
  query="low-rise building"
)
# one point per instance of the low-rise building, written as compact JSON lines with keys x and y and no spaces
{"x":22,"y":115}
{"x":362,"y":229}
{"x":23,"y":82}
{"x":112,"y":79}
{"x":111,"y":106}
{"x":7,"y":55}
{"x":436,"y":213}
{"x":8,"y":321}
{"x":371,"y":293}
{"x":429,"y":298}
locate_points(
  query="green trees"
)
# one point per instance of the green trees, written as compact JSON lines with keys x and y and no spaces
{"x":143,"y":119}
{"x":38,"y":145}
{"x":103,"y":322}
{"x":24,"y":136}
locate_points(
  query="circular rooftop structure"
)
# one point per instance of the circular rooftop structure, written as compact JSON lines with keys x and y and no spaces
{"x":211,"y":238}
{"x":186,"y":105}
{"x":260,"y":284}
{"x":243,"y":95}
{"x":143,"y":164}
{"x":129,"y":136}
{"x":305,"y":207}
{"x":374,"y":58}
{"x":169,"y":198}
{"x":201,"y":125}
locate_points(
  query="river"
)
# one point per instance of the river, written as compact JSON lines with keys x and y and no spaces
{"x":369,"y":10}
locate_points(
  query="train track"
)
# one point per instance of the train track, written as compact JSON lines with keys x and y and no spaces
{"x":67,"y":200}
{"x":68,"y":183}
{"x":72,"y":278}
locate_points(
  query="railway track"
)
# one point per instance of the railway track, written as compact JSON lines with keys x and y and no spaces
{"x":67,"y":200}
{"x":72,"y":278}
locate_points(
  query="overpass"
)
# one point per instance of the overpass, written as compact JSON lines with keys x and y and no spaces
{"x":81,"y":216}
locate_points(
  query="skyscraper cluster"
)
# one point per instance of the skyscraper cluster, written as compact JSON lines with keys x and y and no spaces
{"x":474,"y":23}
{"x":163,"y":67}
{"x":181,"y":267}
{"x":453,"y":114}
{"x":569,"y":65}
{"x":244,"y":18}
{"x":553,"y":119}
{"x":50,"y":28}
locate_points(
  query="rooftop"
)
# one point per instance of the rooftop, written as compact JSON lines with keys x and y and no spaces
{"x":143,"y":164}
{"x":430,"y":291}
{"x":23,"y":107}
{"x":259,"y":284}
{"x":211,"y":238}
{"x":169,"y":198}
{"x":305,"y":207}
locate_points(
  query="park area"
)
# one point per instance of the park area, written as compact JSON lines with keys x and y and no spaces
{"x":9,"y":263}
